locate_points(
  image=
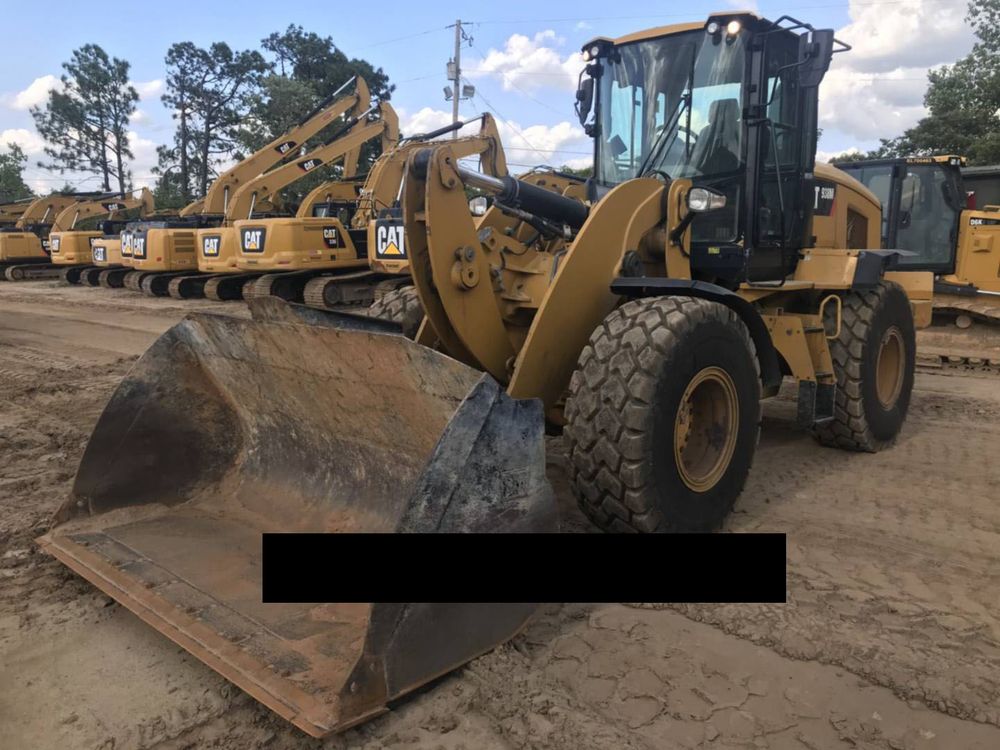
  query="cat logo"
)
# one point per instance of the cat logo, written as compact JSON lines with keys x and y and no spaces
{"x":284,"y":148}
{"x":112,"y":207}
{"x":100,"y":254}
{"x":389,"y":239}
{"x":54,"y":244}
{"x":977,"y":221}
{"x":210,"y":246}
{"x":252,"y":240}
{"x":126,"y":245}
{"x":309,"y":164}
{"x":331,"y":237}
{"x":139,"y":247}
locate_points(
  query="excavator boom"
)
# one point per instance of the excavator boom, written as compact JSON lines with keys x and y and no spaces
{"x":222,"y":190}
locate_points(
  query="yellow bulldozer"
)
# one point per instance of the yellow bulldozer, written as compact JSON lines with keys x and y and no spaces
{"x":708,"y":259}
{"x":926,"y":214}
{"x":165,"y":248}
{"x":45,"y":242}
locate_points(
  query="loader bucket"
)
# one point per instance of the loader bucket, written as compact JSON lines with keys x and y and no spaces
{"x":227,"y":428}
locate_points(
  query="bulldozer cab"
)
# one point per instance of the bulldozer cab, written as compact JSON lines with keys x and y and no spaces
{"x":922,"y":203}
{"x":729,"y":104}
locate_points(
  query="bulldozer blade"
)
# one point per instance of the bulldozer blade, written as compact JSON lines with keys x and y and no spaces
{"x":229,"y":428}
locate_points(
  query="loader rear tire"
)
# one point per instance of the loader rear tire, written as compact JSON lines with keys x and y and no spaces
{"x":873,"y":360}
{"x":663,"y":416}
{"x":400,"y":306}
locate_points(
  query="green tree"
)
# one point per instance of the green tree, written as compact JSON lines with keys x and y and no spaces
{"x":306,"y":69}
{"x":963,"y":100}
{"x":211,"y":92}
{"x":12,"y":185}
{"x":85,"y":125}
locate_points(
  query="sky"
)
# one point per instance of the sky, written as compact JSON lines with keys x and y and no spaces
{"x":523,"y":60}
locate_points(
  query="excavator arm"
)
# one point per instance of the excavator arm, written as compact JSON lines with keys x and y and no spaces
{"x":107,"y":205}
{"x":221,"y":192}
{"x":45,"y":210}
{"x":346,"y":143}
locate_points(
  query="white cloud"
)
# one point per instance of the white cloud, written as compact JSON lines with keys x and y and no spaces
{"x":147,"y":89}
{"x":876,"y":90}
{"x":826,"y":156}
{"x":531,"y":63}
{"x":144,"y":151}
{"x":140,"y":118}
{"x":556,"y":145}
{"x":28,"y":140}
{"x":37,"y":93}
{"x":423,"y":121}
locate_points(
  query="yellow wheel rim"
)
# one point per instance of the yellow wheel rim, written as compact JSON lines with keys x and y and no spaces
{"x":890,"y":367}
{"x":705,"y":429}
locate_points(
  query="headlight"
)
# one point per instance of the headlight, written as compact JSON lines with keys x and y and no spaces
{"x":703,"y":199}
{"x":479,"y":205}
{"x":712,"y":28}
{"x":733,"y":28}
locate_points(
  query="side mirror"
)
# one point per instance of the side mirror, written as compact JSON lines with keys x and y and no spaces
{"x":584,"y":98}
{"x":815,"y":53}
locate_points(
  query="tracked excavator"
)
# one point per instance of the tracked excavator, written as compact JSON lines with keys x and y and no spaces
{"x":650,"y":319}
{"x":321,"y":256}
{"x":221,"y":278}
{"x":112,"y":259}
{"x":72,"y":248}
{"x":11,"y":212}
{"x":25,"y":248}
{"x":925,"y":212}
{"x":165,"y":248}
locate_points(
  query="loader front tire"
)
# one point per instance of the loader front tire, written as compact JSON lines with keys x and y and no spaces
{"x":873,"y":361}
{"x":400,"y":306}
{"x":663,"y":416}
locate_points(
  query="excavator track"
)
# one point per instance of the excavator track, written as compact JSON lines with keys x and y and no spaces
{"x":30,"y":271}
{"x":158,"y":284}
{"x":74,"y":274}
{"x":352,"y":289}
{"x":288,"y":286}
{"x":90,"y":276}
{"x":133,"y":280}
{"x":112,"y":278}
{"x":226,"y":287}
{"x":188,"y":287}
{"x":965,"y":335}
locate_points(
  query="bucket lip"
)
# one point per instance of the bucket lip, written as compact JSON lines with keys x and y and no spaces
{"x":313,"y":716}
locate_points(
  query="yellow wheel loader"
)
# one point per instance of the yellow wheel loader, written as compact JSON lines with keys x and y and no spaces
{"x":167,"y":247}
{"x":925,"y":212}
{"x":33,"y":248}
{"x":710,"y":259}
{"x":321,"y":255}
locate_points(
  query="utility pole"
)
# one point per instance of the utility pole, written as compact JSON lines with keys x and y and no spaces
{"x":456,"y":92}
{"x":457,"y":78}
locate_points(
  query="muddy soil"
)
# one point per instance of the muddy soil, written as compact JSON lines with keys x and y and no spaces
{"x":890,"y":637}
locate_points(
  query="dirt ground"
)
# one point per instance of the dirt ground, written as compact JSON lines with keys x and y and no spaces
{"x":890,"y":637}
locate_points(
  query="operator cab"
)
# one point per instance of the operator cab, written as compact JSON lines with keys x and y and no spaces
{"x":729,"y":104}
{"x":922,"y":202}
